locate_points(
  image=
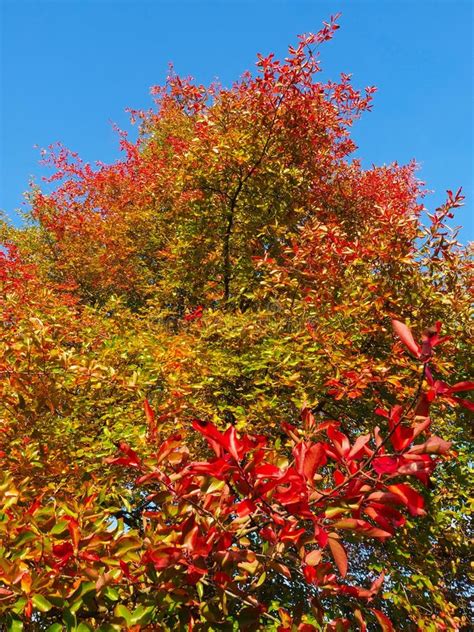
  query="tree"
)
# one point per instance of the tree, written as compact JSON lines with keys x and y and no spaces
{"x":207,"y":420}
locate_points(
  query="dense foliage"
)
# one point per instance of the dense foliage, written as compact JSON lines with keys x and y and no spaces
{"x":214,"y":413}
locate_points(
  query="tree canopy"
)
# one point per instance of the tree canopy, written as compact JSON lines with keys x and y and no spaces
{"x":234,"y":368}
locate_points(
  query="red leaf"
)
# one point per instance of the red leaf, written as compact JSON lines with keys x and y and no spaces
{"x":377,"y":583}
{"x":321,"y":536}
{"x":465,"y":403}
{"x":267,"y":471}
{"x":167,"y":447}
{"x":213,"y":436}
{"x":364,"y":593}
{"x":291,"y":431}
{"x":228,"y":441}
{"x":244,"y":508}
{"x":268,"y":534}
{"x":34,"y":506}
{"x":158,"y":475}
{"x":405,"y":335}
{"x":196,"y":314}
{"x":161,"y":558}
{"x":125,"y":569}
{"x":190,"y":539}
{"x":360,"y":620}
{"x":232,"y":443}
{"x":431,"y":339}
{"x":341,"y":624}
{"x":385,"y":516}
{"x":385,"y":464}
{"x":384,"y":621}
{"x":308,"y":458}
{"x":309,"y":573}
{"x":423,"y":406}
{"x":28,"y":609}
{"x":222,"y":579}
{"x":462,"y":386}
{"x":339,"y":555}
{"x":434,"y":445}
{"x":361,"y":526}
{"x":89,"y":556}
{"x":339,"y":441}
{"x":359,"y":448}
{"x":131,"y":458}
{"x":73,"y":528}
{"x":150,"y":416}
{"x":420,"y":466}
{"x":307,"y":418}
{"x":401,"y":437}
{"x":218,"y":468}
{"x":421,"y":427}
{"x":409,"y":497}
{"x":290,"y":533}
{"x":63,"y":551}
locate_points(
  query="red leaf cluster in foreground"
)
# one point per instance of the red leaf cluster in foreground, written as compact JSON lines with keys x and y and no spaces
{"x":252,"y":507}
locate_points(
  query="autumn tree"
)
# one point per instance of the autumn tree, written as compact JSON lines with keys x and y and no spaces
{"x":233,"y":370}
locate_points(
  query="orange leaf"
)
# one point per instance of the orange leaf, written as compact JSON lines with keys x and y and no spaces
{"x":339,"y":555}
{"x":313,"y":557}
{"x":405,"y":335}
{"x":150,"y":417}
{"x":384,"y":621}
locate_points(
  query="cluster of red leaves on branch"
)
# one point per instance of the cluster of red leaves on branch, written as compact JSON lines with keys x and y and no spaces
{"x":423,"y":352}
{"x":378,"y":230}
{"x":255,"y":509}
{"x":217,"y":536}
{"x":14,"y":274}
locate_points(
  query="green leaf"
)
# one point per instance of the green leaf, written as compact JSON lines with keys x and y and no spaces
{"x":59,"y":527}
{"x":74,"y":607}
{"x":200,"y":589}
{"x":15,"y":625}
{"x":19,"y":605}
{"x":215,"y":485}
{"x":142,"y":615}
{"x":82,"y":590}
{"x":122,"y":612}
{"x":41,"y":603}
{"x":111,"y":593}
{"x":26,"y":536}
{"x":261,"y":579}
{"x":69,"y":619}
{"x":126,"y":545}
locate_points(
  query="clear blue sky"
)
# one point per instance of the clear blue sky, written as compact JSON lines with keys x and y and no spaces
{"x":68,"y":67}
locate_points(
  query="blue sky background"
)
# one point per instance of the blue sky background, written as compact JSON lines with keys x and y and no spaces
{"x":69,"y":67}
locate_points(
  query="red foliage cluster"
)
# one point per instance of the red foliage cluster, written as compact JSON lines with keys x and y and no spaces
{"x":295,"y":503}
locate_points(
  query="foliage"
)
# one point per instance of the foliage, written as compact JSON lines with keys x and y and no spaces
{"x":207,"y":422}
